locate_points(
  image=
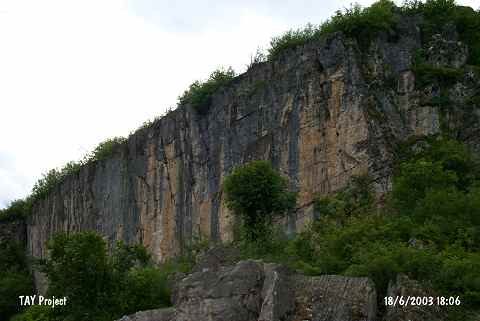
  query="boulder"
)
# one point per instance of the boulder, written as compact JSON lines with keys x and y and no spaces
{"x":403,"y":286}
{"x":335,"y":298}
{"x":216,"y":257}
{"x":229,"y":294}
{"x":256,"y":291}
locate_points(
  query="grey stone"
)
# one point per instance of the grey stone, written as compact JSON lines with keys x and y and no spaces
{"x":230,"y":294}
{"x":335,"y":298}
{"x":255,"y":291}
{"x":406,"y":287}
{"x":167,"y":314}
{"x":216,"y":257}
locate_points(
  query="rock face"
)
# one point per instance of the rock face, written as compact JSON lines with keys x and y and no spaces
{"x":256,"y":291}
{"x":151,"y":315}
{"x":320,"y":113}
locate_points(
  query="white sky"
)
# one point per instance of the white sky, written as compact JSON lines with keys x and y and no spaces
{"x":73,"y":73}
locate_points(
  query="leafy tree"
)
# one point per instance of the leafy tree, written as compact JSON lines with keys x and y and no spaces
{"x":78,"y":268}
{"x":256,"y":193}
{"x":98,"y":286}
{"x":356,"y":196}
{"x":15,"y":278}
{"x":16,"y":210}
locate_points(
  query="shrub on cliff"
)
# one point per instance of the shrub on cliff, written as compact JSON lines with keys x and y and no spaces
{"x":356,"y":22}
{"x":363,"y":24}
{"x":53,"y":177}
{"x":256,"y":193}
{"x":440,"y":13}
{"x":199,"y":94}
{"x":105,"y":149}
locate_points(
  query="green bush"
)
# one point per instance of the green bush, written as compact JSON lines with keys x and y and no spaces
{"x":144,"y":289}
{"x":356,"y":22}
{"x":291,"y":39}
{"x":356,"y":196}
{"x":444,"y":77}
{"x":36,"y":313}
{"x":256,"y":193}
{"x":16,"y":210}
{"x":100,"y":287}
{"x":439,"y":13}
{"x":199,"y":94}
{"x":429,"y":229}
{"x":105,"y":149}
{"x":364,"y":24}
{"x":15,"y":279}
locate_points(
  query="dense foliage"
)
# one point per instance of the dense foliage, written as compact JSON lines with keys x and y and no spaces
{"x":429,"y":227}
{"x":15,"y":278}
{"x":439,"y":14}
{"x":99,"y":287}
{"x":256,"y":193}
{"x":16,"y":210}
{"x":356,"y":22}
{"x":199,"y":94}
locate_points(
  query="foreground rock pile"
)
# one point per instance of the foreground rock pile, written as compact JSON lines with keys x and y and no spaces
{"x":257,"y":291}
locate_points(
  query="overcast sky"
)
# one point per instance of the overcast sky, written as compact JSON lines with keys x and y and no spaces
{"x":73,"y":73}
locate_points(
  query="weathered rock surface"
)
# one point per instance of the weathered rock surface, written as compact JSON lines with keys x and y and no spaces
{"x":335,"y":298}
{"x":320,"y":113}
{"x":257,"y":291}
{"x":405,"y":287}
{"x":215,"y":257}
{"x":151,"y":315}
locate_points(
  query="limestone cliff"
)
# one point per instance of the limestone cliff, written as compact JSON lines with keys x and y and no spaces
{"x":320,"y":113}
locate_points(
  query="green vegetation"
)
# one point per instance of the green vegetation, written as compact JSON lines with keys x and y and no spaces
{"x":431,"y":75}
{"x":364,"y":24}
{"x":99,"y":287}
{"x":20,"y":209}
{"x":52,"y":178}
{"x":104,"y":150}
{"x":16,"y":210}
{"x":15,"y":278}
{"x":355,"y":22}
{"x":356,"y":197}
{"x":429,"y":227}
{"x":441,"y":13}
{"x":256,"y":193}
{"x":199,"y":94}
